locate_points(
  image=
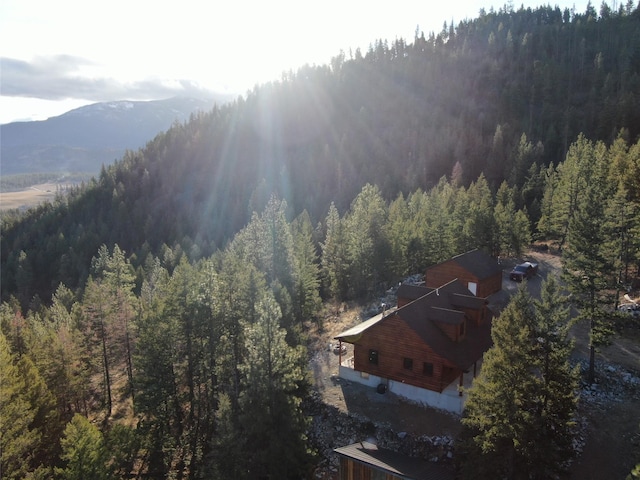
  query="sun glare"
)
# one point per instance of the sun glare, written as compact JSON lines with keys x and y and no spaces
{"x":229,"y":47}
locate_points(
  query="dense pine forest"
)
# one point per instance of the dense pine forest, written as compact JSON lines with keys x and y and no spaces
{"x":155,"y":320}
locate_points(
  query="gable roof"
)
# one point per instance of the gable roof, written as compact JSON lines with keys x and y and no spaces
{"x":353,"y":334}
{"x":422,"y":314}
{"x":477,"y":262}
{"x":466,"y":300}
{"x":395,"y":463}
{"x":412,"y":292}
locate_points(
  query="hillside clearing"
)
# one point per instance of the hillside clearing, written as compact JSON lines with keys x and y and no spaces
{"x":28,"y":197}
{"x":610,"y":433}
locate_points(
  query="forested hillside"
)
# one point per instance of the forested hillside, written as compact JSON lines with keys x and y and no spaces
{"x":494,"y":95}
{"x":170,"y":299}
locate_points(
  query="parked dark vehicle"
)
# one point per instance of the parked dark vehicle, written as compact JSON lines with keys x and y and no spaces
{"x":632,"y":309}
{"x":523,"y":271}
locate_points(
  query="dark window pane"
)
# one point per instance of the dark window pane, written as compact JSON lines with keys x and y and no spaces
{"x":408,"y":363}
{"x":373,"y":357}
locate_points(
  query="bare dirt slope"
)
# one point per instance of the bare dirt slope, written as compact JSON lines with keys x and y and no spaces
{"x":609,"y":412}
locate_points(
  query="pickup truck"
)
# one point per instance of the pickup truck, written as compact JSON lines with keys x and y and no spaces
{"x":523,"y":271}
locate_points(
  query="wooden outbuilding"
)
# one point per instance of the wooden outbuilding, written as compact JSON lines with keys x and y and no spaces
{"x":478,"y":271}
{"x":365,"y":461}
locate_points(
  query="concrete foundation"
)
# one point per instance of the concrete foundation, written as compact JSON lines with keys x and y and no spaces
{"x":449,"y":400}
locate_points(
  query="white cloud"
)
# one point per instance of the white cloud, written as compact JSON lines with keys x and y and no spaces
{"x":148,"y":49}
{"x":58,"y":77}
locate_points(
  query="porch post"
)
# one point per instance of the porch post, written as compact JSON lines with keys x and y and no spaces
{"x":340,"y":354}
{"x":461,"y":384}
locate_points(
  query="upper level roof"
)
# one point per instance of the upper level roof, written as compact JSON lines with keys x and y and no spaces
{"x":412,"y":292}
{"x":477,"y":262}
{"x":424,"y":314}
{"x":439,"y":305}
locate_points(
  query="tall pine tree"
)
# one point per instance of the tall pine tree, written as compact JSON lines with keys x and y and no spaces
{"x":518,"y":420}
{"x":588,"y":269}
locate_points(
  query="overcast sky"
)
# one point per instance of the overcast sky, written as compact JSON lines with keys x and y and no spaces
{"x":56,"y":55}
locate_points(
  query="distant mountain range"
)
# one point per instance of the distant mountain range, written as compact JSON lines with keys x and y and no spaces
{"x":84,"y":139}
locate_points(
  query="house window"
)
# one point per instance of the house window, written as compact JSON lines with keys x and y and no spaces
{"x":427,"y":369}
{"x":408,"y":363}
{"x":373,"y":357}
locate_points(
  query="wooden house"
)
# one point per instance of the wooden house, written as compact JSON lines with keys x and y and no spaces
{"x":478,"y":271}
{"x":418,"y":350}
{"x":365,"y":461}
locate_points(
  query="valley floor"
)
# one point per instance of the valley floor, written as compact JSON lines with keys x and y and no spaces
{"x":29,"y":197}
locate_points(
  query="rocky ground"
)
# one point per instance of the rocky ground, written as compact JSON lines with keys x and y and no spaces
{"x":608,"y":440}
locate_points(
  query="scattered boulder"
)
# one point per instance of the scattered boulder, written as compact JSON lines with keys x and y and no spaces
{"x":330,"y":428}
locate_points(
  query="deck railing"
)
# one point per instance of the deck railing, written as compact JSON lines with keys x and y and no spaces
{"x":348,"y":362}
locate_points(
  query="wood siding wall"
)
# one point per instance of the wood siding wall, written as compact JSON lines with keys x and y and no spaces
{"x":391,"y":355}
{"x":352,"y":470}
{"x":490,"y":285}
{"x":475,"y":317}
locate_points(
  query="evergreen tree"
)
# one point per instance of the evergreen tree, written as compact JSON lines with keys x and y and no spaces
{"x":46,"y":421}
{"x":513,"y":229}
{"x":399,"y":235}
{"x":83,"y":452}
{"x":504,"y":213}
{"x":306,"y":273}
{"x":157,"y":400}
{"x":334,"y":255}
{"x":587,"y":265}
{"x":20,"y":437}
{"x":123,"y":444}
{"x":518,"y":419}
{"x":55,"y":346}
{"x":274,"y":383}
{"x":461,"y":221}
{"x":622,"y":231}
{"x":532,"y":192}
{"x":118,"y":277}
{"x":479,"y":225}
{"x":24,"y":280}
{"x":367,"y":247}
{"x":546,"y":225}
{"x":556,"y":401}
{"x":97,"y":334}
{"x":225,"y":459}
{"x":439,"y":230}
{"x":207,"y":320}
{"x":561,"y":198}
{"x":240,"y":289}
{"x":520,"y":232}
